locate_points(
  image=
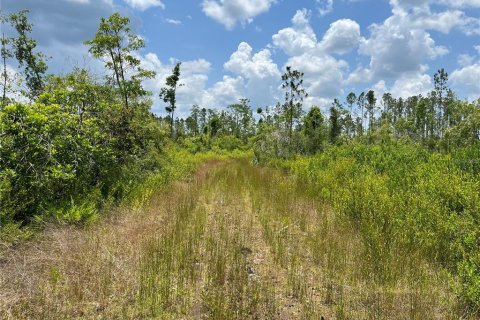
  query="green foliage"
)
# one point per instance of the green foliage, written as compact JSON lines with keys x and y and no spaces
{"x":168,"y":94}
{"x":115,"y":42}
{"x":46,"y":155}
{"x":22,"y":47}
{"x":402,"y":198}
{"x":314,"y":130}
{"x":294,"y":95}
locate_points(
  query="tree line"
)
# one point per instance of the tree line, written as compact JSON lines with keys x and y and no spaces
{"x":439,"y":121}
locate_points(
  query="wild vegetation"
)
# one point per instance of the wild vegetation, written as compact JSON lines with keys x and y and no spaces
{"x":369,"y":210}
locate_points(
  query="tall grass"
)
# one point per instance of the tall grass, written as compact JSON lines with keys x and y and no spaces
{"x":411,"y":209}
{"x":232,"y":242}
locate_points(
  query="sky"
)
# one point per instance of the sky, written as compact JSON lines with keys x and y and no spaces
{"x":233,"y":49}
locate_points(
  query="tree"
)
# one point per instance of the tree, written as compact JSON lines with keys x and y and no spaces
{"x":440,"y":80}
{"x":214,"y":125}
{"x":168,"y":94}
{"x":314,"y":129}
{"x":388,"y":103}
{"x":361,"y":106}
{"x":33,"y":64}
{"x":203,"y":121}
{"x":242,"y":118}
{"x":335,"y":124}
{"x":351,"y":99}
{"x":115,"y":43}
{"x":294,"y":95}
{"x":371,"y":101}
{"x":76,"y":93}
{"x":193,"y":120}
{"x":5,"y":53}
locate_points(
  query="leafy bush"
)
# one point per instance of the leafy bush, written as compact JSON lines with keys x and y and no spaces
{"x":46,"y":155}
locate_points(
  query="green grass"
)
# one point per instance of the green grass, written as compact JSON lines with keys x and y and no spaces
{"x":234,"y":241}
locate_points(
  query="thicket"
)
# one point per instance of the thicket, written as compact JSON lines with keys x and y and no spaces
{"x":405,"y":201}
{"x":77,"y":143}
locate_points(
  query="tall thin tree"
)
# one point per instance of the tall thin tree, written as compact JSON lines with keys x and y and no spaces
{"x":168,"y":94}
{"x":294,"y":95}
{"x":115,"y":42}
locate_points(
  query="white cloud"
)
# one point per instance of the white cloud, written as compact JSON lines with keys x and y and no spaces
{"x":173,"y":21}
{"x":324,"y":6}
{"x":465,"y":60}
{"x":419,"y":15}
{"x":395,"y":48}
{"x":401,"y":7}
{"x":419,"y":5}
{"x":323,"y":74}
{"x":194,"y":90}
{"x":229,"y":12}
{"x":201,"y":66}
{"x":298,"y":38}
{"x":258,"y":70}
{"x":467,"y":79}
{"x":80,"y":1}
{"x":143,"y":5}
{"x":399,"y":47}
{"x":411,"y":84}
{"x":360,"y":75}
{"x":446,"y":21}
{"x":342,"y":36}
{"x":223,"y":93}
{"x":259,"y":65}
{"x":14,"y":83}
{"x":461,"y":3}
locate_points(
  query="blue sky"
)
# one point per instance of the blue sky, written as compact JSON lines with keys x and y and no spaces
{"x":232,"y":49}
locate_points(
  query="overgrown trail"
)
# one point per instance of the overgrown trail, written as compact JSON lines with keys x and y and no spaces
{"x":234,"y":242}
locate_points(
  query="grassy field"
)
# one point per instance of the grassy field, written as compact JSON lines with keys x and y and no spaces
{"x":234,"y":241}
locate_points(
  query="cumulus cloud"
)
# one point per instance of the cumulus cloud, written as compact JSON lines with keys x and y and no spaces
{"x":298,"y":38}
{"x":225,"y":92}
{"x":229,"y":12}
{"x":395,"y":49}
{"x":259,"y":65}
{"x":323,"y":73}
{"x":143,"y":5}
{"x":402,"y":44}
{"x":258,"y":70}
{"x":411,"y":84}
{"x":342,"y":36}
{"x":446,"y":21}
{"x":467,"y":79}
{"x":252,"y":80}
{"x":418,"y":14}
{"x":461,"y":3}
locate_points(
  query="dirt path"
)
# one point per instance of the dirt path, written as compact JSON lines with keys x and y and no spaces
{"x":233,"y":242}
